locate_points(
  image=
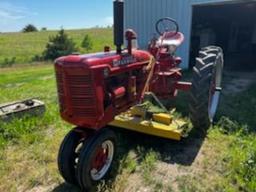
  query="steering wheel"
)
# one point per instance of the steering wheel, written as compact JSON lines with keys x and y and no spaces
{"x":167,"y":24}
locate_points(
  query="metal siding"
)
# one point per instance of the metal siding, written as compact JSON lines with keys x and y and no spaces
{"x":210,"y":1}
{"x":141,"y":15}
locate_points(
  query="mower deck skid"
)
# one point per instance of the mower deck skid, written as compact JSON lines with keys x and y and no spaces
{"x":175,"y":130}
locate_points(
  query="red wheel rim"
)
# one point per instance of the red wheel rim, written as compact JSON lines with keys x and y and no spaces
{"x":102,"y":160}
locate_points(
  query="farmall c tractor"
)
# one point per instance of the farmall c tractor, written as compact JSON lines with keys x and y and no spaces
{"x":118,"y":89}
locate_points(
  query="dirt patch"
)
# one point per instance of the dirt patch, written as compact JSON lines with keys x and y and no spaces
{"x":186,"y":165}
{"x":42,"y":189}
{"x":47,"y":77}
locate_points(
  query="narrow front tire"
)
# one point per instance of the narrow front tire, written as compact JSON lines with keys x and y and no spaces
{"x":96,"y":159}
{"x":68,"y":155}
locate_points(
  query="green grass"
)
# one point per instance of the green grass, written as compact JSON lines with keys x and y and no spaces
{"x":28,"y":147}
{"x":148,"y":164}
{"x":234,"y":138}
{"x":24,"y":46}
{"x":29,"y":143}
{"x":241,"y":108}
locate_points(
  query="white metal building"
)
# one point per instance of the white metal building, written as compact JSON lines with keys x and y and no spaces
{"x":227,"y":23}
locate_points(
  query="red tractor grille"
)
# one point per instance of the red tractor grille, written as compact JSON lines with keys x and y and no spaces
{"x":76,"y":94}
{"x":60,"y":88}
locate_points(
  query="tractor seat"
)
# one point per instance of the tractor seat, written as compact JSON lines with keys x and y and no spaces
{"x":170,"y":38}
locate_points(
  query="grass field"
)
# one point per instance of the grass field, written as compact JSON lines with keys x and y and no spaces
{"x":225,"y":160}
{"x":24,"y":46}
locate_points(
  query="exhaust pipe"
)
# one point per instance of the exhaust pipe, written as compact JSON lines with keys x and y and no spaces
{"x":118,"y":25}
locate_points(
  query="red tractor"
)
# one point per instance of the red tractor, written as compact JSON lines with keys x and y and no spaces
{"x":101,"y":90}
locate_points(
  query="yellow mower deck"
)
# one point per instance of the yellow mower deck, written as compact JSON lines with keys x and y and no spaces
{"x":158,"y":126}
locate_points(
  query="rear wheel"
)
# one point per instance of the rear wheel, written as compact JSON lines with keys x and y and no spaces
{"x":96,"y":158}
{"x":206,"y":87}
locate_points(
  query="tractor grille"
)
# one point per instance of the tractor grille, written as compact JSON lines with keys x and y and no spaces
{"x":60,"y":87}
{"x":76,"y":94}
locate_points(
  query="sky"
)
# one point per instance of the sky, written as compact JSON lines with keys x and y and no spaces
{"x":54,"y":14}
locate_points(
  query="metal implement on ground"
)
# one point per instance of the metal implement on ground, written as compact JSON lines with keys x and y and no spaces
{"x":157,"y":126}
{"x":124,"y":88}
{"x":23,"y":108}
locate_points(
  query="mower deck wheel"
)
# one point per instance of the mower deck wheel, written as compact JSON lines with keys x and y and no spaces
{"x":96,"y":158}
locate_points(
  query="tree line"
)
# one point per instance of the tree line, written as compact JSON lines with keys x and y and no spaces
{"x":58,"y":45}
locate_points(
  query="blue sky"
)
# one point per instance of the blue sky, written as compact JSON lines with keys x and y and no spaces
{"x":53,"y":14}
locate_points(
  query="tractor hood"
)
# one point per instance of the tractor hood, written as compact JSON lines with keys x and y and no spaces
{"x":109,"y":59}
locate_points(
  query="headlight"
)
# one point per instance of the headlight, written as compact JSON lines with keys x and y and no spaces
{"x":172,"y":49}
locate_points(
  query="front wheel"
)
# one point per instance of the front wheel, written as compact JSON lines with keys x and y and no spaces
{"x":68,"y":155}
{"x":206,"y":87}
{"x":96,"y":158}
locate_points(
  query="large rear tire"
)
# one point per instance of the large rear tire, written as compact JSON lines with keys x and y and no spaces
{"x":206,"y":87}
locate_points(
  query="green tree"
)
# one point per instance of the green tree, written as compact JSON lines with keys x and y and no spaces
{"x":43,"y":29}
{"x":87,"y":43}
{"x":29,"y":28}
{"x":59,"y":45}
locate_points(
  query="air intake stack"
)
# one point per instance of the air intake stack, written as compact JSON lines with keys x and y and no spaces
{"x":118,"y":25}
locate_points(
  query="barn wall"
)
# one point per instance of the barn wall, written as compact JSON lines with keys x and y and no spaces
{"x":141,"y":15}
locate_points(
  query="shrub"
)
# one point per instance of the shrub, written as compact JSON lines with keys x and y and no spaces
{"x":8,"y":62}
{"x":227,"y":126}
{"x":29,"y":28}
{"x":43,"y":29}
{"x":87,"y":43}
{"x":37,"y":58}
{"x":59,"y":45}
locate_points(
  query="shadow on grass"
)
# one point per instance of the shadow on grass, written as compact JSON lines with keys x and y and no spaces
{"x":241,"y":109}
{"x":64,"y":187}
{"x":181,"y":152}
{"x":174,"y":152}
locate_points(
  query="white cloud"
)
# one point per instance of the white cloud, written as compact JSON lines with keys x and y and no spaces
{"x":9,"y":12}
{"x":8,"y":15}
